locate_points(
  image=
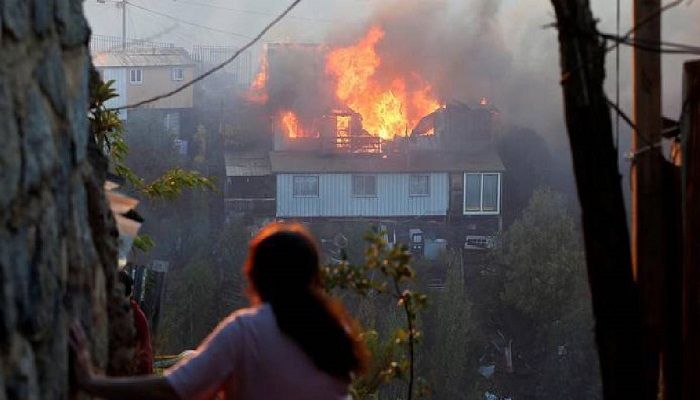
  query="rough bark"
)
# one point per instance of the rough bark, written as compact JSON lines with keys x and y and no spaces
{"x":614,"y":294}
{"x":57,"y":236}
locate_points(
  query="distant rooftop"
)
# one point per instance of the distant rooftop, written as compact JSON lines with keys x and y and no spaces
{"x":152,"y":57}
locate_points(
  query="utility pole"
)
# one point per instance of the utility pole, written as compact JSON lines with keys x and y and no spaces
{"x":614,"y":294}
{"x":691,"y":229}
{"x":123,"y":3}
{"x":649,"y":246}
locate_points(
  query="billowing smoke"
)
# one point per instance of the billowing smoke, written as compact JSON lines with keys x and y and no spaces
{"x":456,"y":47}
{"x":296,"y":79}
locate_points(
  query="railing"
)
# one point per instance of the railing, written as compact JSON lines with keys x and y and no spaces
{"x":353,"y":144}
{"x":103,"y":43}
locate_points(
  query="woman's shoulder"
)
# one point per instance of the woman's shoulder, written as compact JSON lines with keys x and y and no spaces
{"x":249,"y":315}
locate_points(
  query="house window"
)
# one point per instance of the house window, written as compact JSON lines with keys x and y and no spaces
{"x":419,"y":185}
{"x":305,"y":186}
{"x":178,"y":73}
{"x":136,"y":76}
{"x":364,"y":185}
{"x":482,"y":193}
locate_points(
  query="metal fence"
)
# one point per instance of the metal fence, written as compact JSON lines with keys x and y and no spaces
{"x":102,"y":43}
{"x":241,"y":68}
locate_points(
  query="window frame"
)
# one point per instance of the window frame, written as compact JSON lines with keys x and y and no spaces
{"x":140,"y":76}
{"x":427,"y":186}
{"x":297,"y":195}
{"x":173,"y":75}
{"x":481,"y":211}
{"x":364,"y":176}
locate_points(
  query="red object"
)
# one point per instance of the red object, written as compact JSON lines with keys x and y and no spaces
{"x":144,"y":350}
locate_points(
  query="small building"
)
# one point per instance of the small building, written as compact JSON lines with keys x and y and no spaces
{"x":443,"y":180}
{"x":142,"y":73}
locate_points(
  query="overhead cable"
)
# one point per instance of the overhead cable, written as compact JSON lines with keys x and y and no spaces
{"x":182,"y":21}
{"x":218,"y":67}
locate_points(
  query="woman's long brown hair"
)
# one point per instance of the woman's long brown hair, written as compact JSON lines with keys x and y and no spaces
{"x":283,"y":269}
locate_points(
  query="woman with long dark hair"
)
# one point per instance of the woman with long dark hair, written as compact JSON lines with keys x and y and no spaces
{"x":294,"y":342}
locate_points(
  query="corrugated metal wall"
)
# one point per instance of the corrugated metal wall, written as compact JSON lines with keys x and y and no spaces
{"x":336,"y":200}
{"x":118,"y":75}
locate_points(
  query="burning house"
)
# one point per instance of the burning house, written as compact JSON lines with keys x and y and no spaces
{"x":348,"y":146}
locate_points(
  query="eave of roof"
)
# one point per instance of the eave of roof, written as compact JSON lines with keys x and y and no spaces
{"x":429,"y":161}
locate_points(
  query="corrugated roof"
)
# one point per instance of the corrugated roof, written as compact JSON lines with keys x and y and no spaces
{"x":300,"y":162}
{"x":155,"y":57}
{"x":247,"y":164}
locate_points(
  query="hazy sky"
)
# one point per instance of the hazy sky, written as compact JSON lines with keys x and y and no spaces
{"x":494,"y":48}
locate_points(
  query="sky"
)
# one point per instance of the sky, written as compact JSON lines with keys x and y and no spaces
{"x":494,"y":48}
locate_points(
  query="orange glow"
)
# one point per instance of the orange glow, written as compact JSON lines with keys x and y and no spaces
{"x":342,"y":130}
{"x":387,"y":109}
{"x":484,"y":101}
{"x":257,"y":92}
{"x":430,"y":132}
{"x":290,"y":124}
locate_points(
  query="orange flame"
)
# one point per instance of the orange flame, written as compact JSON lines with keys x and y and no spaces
{"x":257,"y":92}
{"x":386,"y":109}
{"x":290,"y":124}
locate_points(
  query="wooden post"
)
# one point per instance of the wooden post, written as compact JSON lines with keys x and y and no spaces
{"x":691,"y":230}
{"x":615,"y":296}
{"x":649,"y":248}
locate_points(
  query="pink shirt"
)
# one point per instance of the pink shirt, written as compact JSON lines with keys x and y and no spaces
{"x":247,"y":357}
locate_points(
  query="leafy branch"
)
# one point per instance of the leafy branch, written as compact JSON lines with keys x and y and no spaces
{"x":386,"y":272}
{"x":108,"y":132}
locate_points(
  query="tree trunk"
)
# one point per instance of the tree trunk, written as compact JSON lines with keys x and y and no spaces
{"x":614,"y":294}
{"x":691,"y":230}
{"x":57,"y":236}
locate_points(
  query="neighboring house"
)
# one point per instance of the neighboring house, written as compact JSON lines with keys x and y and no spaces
{"x":142,"y":73}
{"x":442,"y":183}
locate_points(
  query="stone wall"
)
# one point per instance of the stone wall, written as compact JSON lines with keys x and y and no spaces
{"x":57,"y":237}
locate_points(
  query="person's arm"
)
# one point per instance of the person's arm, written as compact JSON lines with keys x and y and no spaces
{"x":202,"y":375}
{"x":137,"y":387}
{"x":117,"y":388}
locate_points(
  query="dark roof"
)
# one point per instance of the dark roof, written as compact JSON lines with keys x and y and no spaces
{"x":247,"y":164}
{"x":428,"y":161}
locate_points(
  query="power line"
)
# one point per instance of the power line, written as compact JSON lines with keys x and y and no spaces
{"x":621,"y":113}
{"x":653,"y":46}
{"x":182,"y":21}
{"x":251,"y":12}
{"x":649,"y":18}
{"x":627,"y":119}
{"x":218,"y":67}
{"x":617,"y":82}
